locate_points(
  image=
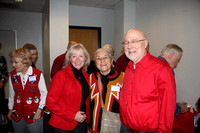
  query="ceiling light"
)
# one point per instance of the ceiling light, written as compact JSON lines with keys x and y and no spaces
{"x":18,"y":0}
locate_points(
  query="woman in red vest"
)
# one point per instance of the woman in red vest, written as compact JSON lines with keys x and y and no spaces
{"x":68,"y":91}
{"x":27,"y":94}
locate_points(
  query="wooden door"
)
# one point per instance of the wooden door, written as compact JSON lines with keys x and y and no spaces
{"x":89,"y":37}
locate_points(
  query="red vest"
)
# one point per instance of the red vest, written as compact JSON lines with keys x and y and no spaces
{"x":26,"y":101}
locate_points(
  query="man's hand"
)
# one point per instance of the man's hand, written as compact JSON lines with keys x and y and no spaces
{"x":80,"y":116}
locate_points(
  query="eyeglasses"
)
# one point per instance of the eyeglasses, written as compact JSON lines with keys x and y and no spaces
{"x":102,"y":58}
{"x":132,"y":41}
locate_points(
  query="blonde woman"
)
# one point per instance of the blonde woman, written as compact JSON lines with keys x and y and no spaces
{"x":68,"y":91}
{"x":27,"y":94}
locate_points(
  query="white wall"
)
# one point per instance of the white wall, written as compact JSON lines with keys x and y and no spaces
{"x":94,"y":17}
{"x":175,"y":21}
{"x":58,"y":27}
{"x":119,"y":28}
{"x":29,"y":29}
{"x":129,"y":15}
{"x":124,"y":20}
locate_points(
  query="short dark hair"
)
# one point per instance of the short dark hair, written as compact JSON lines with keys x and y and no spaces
{"x":29,"y":46}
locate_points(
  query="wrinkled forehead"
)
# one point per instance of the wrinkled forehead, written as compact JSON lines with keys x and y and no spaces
{"x":134,"y":34}
{"x":102,"y":52}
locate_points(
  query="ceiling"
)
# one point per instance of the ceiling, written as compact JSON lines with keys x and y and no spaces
{"x":37,"y":5}
{"x":25,"y":5}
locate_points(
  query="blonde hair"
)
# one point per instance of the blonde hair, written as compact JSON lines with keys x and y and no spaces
{"x":74,"y":48}
{"x":22,"y":53}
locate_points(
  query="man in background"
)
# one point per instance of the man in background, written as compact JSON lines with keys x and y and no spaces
{"x":172,"y":54}
{"x":121,"y":63}
{"x":34,"y":53}
{"x":59,"y":62}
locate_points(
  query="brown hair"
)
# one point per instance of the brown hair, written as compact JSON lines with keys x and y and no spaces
{"x":29,"y":46}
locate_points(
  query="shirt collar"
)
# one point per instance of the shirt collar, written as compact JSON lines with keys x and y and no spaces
{"x":144,"y":62}
{"x":29,"y":71}
{"x":110,"y":74}
{"x":160,"y":57}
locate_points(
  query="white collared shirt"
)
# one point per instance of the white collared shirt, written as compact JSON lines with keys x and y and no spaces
{"x":41,"y":85}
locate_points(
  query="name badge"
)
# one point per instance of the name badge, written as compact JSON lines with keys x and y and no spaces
{"x":32,"y":78}
{"x":115,"y":88}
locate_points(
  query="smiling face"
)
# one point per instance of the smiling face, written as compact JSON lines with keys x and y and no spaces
{"x":18,"y":65}
{"x":33,"y":55}
{"x":103,"y":61}
{"x":77,"y":59}
{"x":135,"y":45}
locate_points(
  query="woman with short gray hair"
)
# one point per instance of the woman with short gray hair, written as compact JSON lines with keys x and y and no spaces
{"x":104,"y":97}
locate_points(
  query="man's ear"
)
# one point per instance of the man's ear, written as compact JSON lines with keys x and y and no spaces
{"x":146,"y":44}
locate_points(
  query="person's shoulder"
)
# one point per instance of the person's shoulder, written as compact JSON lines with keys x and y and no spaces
{"x":94,"y":75}
{"x":122,"y":57}
{"x":35,"y":69}
{"x":62,"y":56}
{"x":67,"y":69}
{"x":163,"y":66}
{"x":118,"y":74}
{"x":64,"y":73}
{"x":158,"y":61}
{"x":121,"y":73}
{"x":157,"y":64}
{"x":13,"y":71}
{"x":162,"y":62}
